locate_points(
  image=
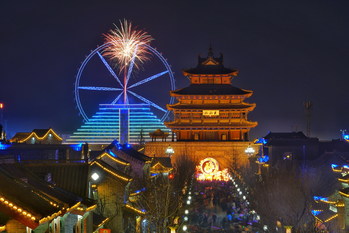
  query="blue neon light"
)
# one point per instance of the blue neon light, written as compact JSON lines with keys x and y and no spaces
{"x":262,"y":140}
{"x":346,"y":136}
{"x":110,"y":69}
{"x":316,"y":212}
{"x":318,"y":198}
{"x":76,"y":147}
{"x":334,"y":166}
{"x":104,"y":126}
{"x":263,"y":159}
{"x":4,"y":146}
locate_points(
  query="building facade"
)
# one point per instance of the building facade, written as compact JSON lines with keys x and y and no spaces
{"x":211,"y":108}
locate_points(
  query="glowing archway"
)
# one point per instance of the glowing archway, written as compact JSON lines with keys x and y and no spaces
{"x":208,"y":170}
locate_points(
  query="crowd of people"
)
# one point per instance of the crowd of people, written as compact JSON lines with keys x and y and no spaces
{"x":220,"y":207}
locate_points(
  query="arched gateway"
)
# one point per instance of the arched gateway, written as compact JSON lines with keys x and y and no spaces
{"x":210,"y":117}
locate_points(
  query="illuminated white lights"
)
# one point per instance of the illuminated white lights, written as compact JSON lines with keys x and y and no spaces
{"x":250,"y":151}
{"x":95,"y":176}
{"x":185,"y":228}
{"x":186,"y":211}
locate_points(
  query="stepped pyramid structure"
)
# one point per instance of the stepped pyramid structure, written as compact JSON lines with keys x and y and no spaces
{"x":127,"y":123}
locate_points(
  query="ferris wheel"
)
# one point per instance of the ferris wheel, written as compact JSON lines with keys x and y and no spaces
{"x":127,"y":87}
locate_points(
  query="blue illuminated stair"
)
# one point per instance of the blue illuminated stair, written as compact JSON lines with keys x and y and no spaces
{"x":121,"y":122}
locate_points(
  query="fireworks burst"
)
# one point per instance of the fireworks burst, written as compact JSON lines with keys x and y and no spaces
{"x":127,"y":45}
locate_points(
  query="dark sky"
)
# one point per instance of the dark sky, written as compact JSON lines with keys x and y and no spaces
{"x":286,"y":51}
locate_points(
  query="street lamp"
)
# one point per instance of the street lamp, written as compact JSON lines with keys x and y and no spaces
{"x":250,"y":151}
{"x":169,"y":151}
{"x":95,"y":176}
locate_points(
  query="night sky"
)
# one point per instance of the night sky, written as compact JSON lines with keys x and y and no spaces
{"x":286,"y":51}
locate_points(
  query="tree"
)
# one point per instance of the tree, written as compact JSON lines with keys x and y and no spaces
{"x":163,"y":195}
{"x":284,"y":195}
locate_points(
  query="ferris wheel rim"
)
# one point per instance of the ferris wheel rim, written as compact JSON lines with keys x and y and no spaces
{"x":96,"y":51}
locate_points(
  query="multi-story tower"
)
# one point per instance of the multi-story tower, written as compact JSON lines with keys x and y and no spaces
{"x":211,"y":108}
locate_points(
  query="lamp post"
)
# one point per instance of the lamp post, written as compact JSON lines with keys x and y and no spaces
{"x":169,"y":151}
{"x":250,"y":151}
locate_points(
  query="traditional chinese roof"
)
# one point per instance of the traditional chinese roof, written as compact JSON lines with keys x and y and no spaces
{"x":38,"y":134}
{"x":164,"y":161}
{"x":98,"y":221}
{"x":212,"y":106}
{"x":158,"y":133}
{"x":111,"y":170}
{"x":68,"y":176}
{"x":110,"y":158}
{"x":326,"y":216}
{"x":211,"y":89}
{"x":344,"y":192}
{"x":134,"y":209}
{"x":244,"y":124}
{"x":19,"y":136}
{"x":210,"y":65}
{"x":161,"y":165}
{"x":31,"y":201}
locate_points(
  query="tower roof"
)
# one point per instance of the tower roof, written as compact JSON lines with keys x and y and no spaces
{"x":209,"y":89}
{"x":210,"y":65}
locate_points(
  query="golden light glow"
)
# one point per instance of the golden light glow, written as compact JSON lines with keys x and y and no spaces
{"x":208,"y":169}
{"x":329,"y":219}
{"x":343,"y":180}
{"x":111,"y":172}
{"x":103,"y":222}
{"x":19,"y":210}
{"x":344,"y":194}
{"x":91,"y":207}
{"x":33,"y":134}
{"x":127,"y":45}
{"x":2,"y":228}
{"x":135,"y":209}
{"x":113,"y":158}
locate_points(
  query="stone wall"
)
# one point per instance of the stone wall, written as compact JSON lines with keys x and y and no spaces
{"x":228,"y":154}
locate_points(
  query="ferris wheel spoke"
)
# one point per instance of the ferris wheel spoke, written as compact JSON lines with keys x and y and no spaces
{"x":100,"y":88}
{"x":117,"y":98}
{"x":147,"y":101}
{"x":148,"y":79}
{"x":109,"y":68}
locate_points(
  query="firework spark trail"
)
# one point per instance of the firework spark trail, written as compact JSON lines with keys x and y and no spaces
{"x":127,"y":46}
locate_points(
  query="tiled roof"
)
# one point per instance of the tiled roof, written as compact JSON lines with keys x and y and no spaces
{"x":68,"y":176}
{"x":40,"y":132}
{"x":111,"y":170}
{"x":39,"y":200}
{"x":212,"y":106}
{"x":164,"y":161}
{"x":211,"y":89}
{"x":20,"y":136}
{"x":210,"y":65}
